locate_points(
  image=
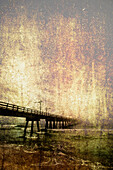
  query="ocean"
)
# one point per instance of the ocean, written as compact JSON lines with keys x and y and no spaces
{"x":76,"y":148}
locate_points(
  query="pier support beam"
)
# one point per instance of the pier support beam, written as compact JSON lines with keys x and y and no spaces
{"x":46,"y":127}
{"x":54,"y":124}
{"x":50,"y":125}
{"x":31,"y":128}
{"x":38,"y":128}
{"x":65,"y":123}
{"x":62,"y":124}
{"x":25,"y":127}
{"x":59,"y":124}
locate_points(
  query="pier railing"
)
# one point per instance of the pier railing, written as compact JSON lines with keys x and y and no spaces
{"x":13,"y":107}
{"x":20,"y":109}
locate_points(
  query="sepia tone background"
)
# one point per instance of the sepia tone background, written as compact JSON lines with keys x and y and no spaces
{"x":60,"y":52}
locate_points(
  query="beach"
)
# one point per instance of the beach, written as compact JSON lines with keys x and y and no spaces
{"x":56,"y":149}
{"x":13,"y":157}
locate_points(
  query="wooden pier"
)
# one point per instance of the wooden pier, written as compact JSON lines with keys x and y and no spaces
{"x":52,"y":121}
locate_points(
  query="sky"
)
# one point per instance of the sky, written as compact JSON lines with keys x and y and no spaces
{"x":60,"y":52}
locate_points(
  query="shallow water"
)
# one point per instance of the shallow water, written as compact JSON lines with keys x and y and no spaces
{"x":94,"y":146}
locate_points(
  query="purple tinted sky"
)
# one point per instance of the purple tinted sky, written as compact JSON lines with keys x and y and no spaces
{"x":85,"y":9}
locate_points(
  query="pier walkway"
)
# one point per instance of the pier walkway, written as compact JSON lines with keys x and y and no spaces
{"x":52,"y":121}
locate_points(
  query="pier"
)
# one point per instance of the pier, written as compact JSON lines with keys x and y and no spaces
{"x":53,"y":121}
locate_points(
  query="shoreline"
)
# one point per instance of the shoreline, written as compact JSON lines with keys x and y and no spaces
{"x":63,"y":149}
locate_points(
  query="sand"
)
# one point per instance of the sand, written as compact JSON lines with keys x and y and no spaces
{"x":19,"y":158}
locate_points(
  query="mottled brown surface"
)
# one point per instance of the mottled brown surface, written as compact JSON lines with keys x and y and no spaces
{"x":13,"y":158}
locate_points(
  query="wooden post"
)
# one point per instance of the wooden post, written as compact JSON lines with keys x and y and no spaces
{"x":54,"y":124}
{"x":65,"y":124}
{"x":62,"y":124}
{"x":46,"y":127}
{"x":25,"y":128}
{"x":38,"y":128}
{"x":59,"y":124}
{"x":32,"y":128}
{"x":50,"y":126}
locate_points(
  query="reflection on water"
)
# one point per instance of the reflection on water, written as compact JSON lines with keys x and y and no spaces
{"x":93,"y":145}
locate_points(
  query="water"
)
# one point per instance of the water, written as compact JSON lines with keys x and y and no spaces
{"x":91,"y":148}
